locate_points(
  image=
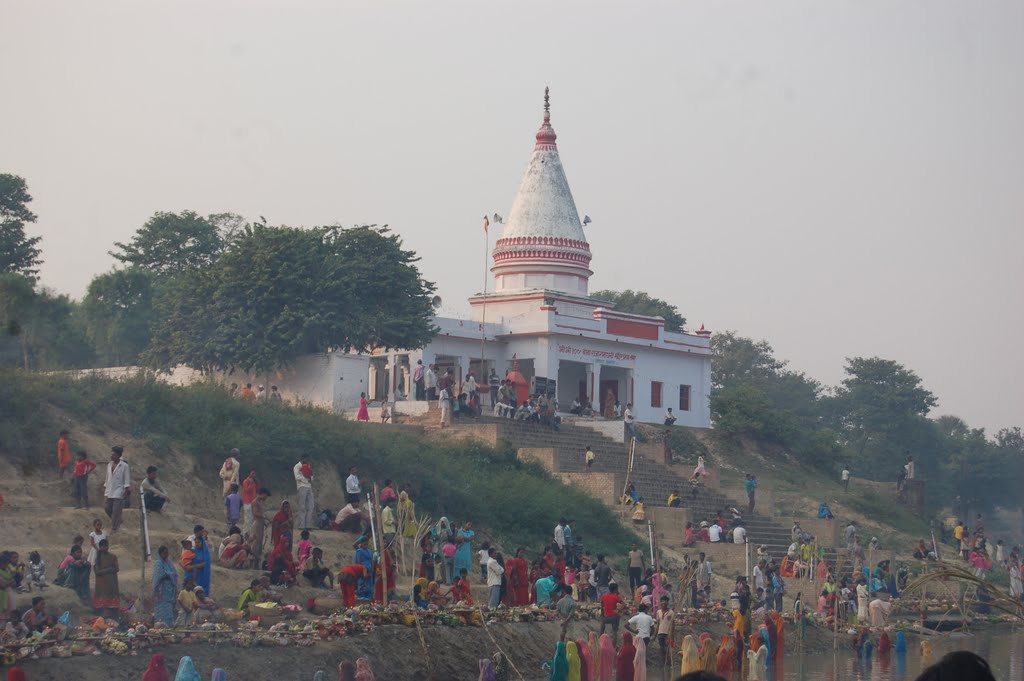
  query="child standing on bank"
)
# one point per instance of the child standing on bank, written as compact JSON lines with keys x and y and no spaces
{"x":305,"y":548}
{"x":233,"y":506}
{"x":80,"y":478}
{"x":95,"y":537}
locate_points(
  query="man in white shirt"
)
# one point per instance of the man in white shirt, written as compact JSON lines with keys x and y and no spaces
{"x":469,"y":387}
{"x":629,"y":419}
{"x":494,"y":573}
{"x":715,"y":533}
{"x":670,"y":418}
{"x":352,"y":489}
{"x":303,"y":472}
{"x":845,"y":477}
{"x":739,"y":535}
{"x":909,"y":467}
{"x":444,"y":403}
{"x":759,"y":576}
{"x":116,"y":487}
{"x":641,"y":624}
{"x":351,"y":519}
{"x":560,"y":534}
{"x":704,"y":572}
{"x":430,"y":381}
{"x":418,"y":381}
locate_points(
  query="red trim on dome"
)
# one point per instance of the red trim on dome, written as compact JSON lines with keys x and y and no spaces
{"x":511,"y":256}
{"x":541,"y":241}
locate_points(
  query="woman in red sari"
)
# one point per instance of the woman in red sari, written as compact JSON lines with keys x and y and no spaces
{"x":534,"y":575}
{"x":280,"y":563}
{"x":282,"y":525}
{"x":518,"y":584}
{"x":624,"y":659}
{"x":387,"y":566}
{"x":348,"y":578}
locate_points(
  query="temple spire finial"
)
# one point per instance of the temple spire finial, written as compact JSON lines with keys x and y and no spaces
{"x":546,"y":135}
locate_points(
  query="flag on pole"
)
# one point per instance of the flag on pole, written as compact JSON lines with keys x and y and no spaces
{"x":487,"y":223}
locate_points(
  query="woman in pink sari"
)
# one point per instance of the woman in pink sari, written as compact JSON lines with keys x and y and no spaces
{"x":607,"y":667}
{"x":586,"y":661}
{"x":364,"y":408}
{"x":640,"y":660}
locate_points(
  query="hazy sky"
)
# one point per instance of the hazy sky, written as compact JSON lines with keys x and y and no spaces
{"x":841,"y":178}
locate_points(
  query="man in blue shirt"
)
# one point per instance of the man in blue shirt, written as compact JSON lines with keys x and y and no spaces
{"x":751,"y":487}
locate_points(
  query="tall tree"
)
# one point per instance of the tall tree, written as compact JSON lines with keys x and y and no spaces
{"x":638,"y":302}
{"x":18,"y":253}
{"x":39,"y":327}
{"x":116,"y":312}
{"x":171,"y":243}
{"x":277,"y":293}
{"x":880,"y":410}
{"x":738,"y":360}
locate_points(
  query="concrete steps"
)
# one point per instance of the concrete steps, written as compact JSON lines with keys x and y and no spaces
{"x":654,"y":481}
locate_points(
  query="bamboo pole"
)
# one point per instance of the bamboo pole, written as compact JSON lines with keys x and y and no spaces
{"x":383,"y":549}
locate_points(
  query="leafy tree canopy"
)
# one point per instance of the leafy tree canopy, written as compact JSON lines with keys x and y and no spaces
{"x":172,"y":243}
{"x":117,"y":312}
{"x":39,"y":327}
{"x":18,"y":253}
{"x":277,"y":293}
{"x":638,"y":302}
{"x":738,"y":360}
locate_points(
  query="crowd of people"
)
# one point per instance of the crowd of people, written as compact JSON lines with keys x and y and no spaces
{"x":560,"y":574}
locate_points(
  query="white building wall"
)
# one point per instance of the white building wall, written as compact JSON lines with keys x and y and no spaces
{"x":330,"y":381}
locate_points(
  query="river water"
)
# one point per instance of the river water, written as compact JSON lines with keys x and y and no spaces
{"x":1004,"y":652}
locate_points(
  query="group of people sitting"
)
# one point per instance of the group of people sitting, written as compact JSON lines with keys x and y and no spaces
{"x":542,"y":409}
{"x":727,"y":527}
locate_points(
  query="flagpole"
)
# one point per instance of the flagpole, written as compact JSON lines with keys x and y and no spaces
{"x":483,"y":313}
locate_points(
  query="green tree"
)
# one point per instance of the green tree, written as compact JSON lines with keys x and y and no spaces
{"x":172,"y":243}
{"x":879,"y":411}
{"x":638,"y":302}
{"x":18,"y":253}
{"x":40,"y":330}
{"x":753,"y":394}
{"x":277,"y":293}
{"x":117,"y":312}
{"x":738,"y":360}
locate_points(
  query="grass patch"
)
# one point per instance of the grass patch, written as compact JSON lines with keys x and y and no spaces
{"x":516,"y":503}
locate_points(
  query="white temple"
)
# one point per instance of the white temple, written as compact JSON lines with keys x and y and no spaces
{"x":541,"y":320}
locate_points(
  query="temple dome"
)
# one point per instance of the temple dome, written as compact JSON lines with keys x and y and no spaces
{"x":543,"y":244}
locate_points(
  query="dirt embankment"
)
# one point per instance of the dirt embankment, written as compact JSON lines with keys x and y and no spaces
{"x":395,"y":652}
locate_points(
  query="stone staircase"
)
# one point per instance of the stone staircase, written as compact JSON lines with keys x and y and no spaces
{"x":654,"y":481}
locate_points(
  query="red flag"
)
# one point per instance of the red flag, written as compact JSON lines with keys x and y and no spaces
{"x":487,"y":223}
